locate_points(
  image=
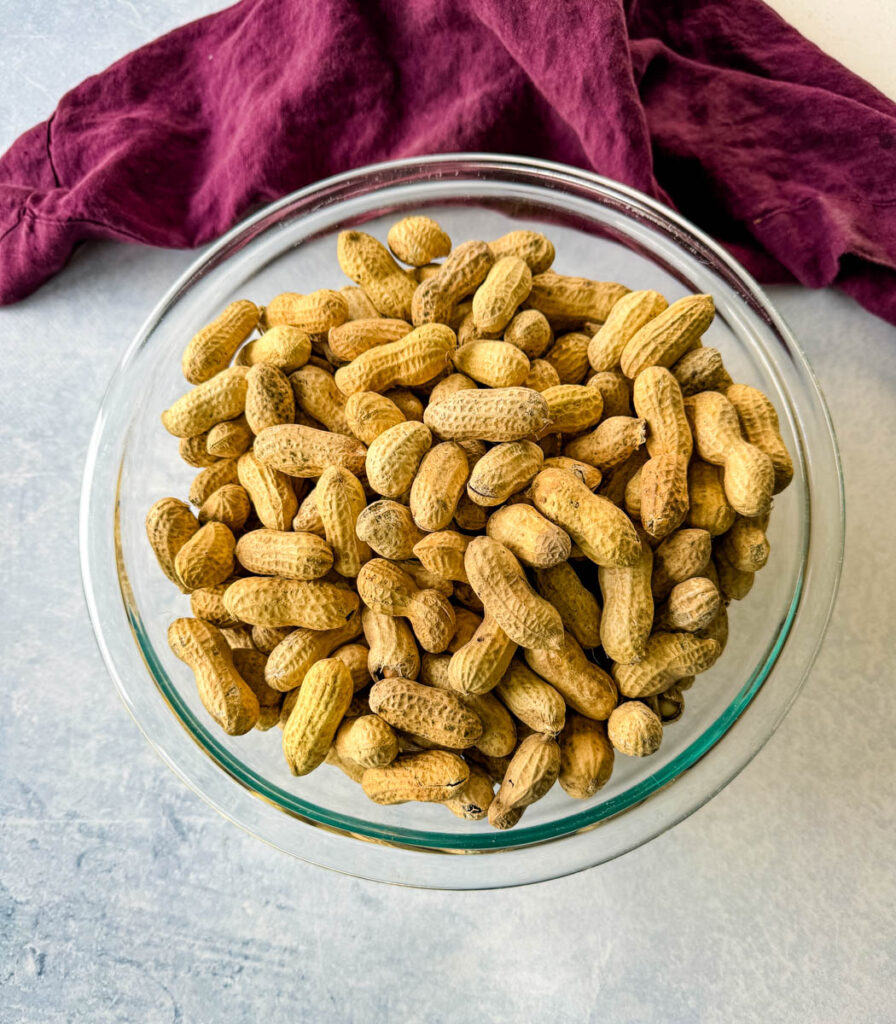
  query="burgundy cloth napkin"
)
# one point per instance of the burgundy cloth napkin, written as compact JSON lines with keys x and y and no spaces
{"x":715,"y":106}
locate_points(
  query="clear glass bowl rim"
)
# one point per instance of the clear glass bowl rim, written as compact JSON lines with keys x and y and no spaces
{"x":698,"y":755}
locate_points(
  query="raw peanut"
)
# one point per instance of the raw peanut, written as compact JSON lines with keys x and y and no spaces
{"x":425,"y":579}
{"x":418,"y":241}
{"x":573,"y":408}
{"x":437,"y":715}
{"x":670,"y":704}
{"x":534,"y":249}
{"x":533,"y":701}
{"x":294,"y":556}
{"x":610,"y":443}
{"x":530,"y":332}
{"x":498,"y":737}
{"x":272,"y":601}
{"x":668,"y":658}
{"x":532,"y":771}
{"x":250,"y":665}
{"x":475,"y":798}
{"x":681,"y":556}
{"x":635,"y":730}
{"x":749,"y":474}
{"x":691,"y":606}
{"x":368,"y":415}
{"x":478,"y":666}
{"x":367,"y":740}
{"x":493,"y":363}
{"x":734,"y":583}
{"x":569,"y":357}
{"x":210,"y":351}
{"x":616,"y":480}
{"x":393,"y":650}
{"x":316,"y":395}
{"x":315,"y":313}
{"x":571,"y":301}
{"x":266,"y":638}
{"x":290,"y":660}
{"x":504,"y":470}
{"x":745,"y":546}
{"x":542,"y":376}
{"x":586,"y":757}
{"x":307,"y":519}
{"x":394,"y":457}
{"x":470,"y":516}
{"x":353,"y":337}
{"x":759,"y":422}
{"x":340,"y":499}
{"x":194,"y":451}
{"x":589,"y":475}
{"x":354,"y":657}
{"x":628,"y":608}
{"x":443,"y":554}
{"x":525,"y":532}
{"x":433,"y":776}
{"x":717,"y":630}
{"x":269,"y":398}
{"x":709,"y":509}
{"x":493,"y":414}
{"x":389,"y":529}
{"x":506,"y":285}
{"x":306,"y":452}
{"x":223,"y":692}
{"x":447,"y":386}
{"x":665,"y":338}
{"x":467,"y":623}
{"x":408,"y":403}
{"x":615,"y":389}
{"x":287,"y":348}
{"x":206,"y":558}
{"x":221,"y":398}
{"x":387,"y":589}
{"x":414,"y":359}
{"x":460,"y":275}
{"x":229,"y":505}
{"x":500,"y":583}
{"x":323,"y":700}
{"x":578,"y":608}
{"x":585,"y":687}
{"x":271,"y":492}
{"x":208,"y":603}
{"x":169,"y":525}
{"x":230,"y":438}
{"x":701,"y":369}
{"x":359,"y":305}
{"x":603,"y":532}
{"x":238,"y":637}
{"x":438,"y":485}
{"x":626,"y":318}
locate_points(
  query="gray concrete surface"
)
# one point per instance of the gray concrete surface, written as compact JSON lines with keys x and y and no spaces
{"x":124,"y":898}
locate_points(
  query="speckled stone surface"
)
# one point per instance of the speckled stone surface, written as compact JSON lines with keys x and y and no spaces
{"x":123,"y":897}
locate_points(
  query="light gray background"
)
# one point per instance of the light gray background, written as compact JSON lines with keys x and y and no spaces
{"x":124,"y":898}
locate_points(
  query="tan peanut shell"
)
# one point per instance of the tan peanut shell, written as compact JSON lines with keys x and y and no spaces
{"x":665,"y":338}
{"x":210,"y":351}
{"x":530,"y":699}
{"x":586,"y":757}
{"x":230,"y":439}
{"x":635,"y":729}
{"x":584,"y":686}
{"x":498,"y":737}
{"x":578,"y":607}
{"x":478,"y":666}
{"x":314,"y":313}
{"x":435,"y":714}
{"x":438,"y":485}
{"x":206,"y":558}
{"x":469,"y":516}
{"x":287,"y":348}
{"x":414,"y":359}
{"x":566,"y":300}
{"x":271,"y":492}
{"x":273,"y":601}
{"x":266,"y":638}
{"x":418,"y":241}
{"x":505,"y":287}
{"x":306,"y":452}
{"x":701,"y":369}
{"x":615,"y":390}
{"x":323,"y":699}
{"x":493,"y":363}
{"x":590,"y":476}
{"x":220,"y":398}
{"x":708,"y":507}
{"x":194,"y":451}
{"x":627,"y":616}
{"x":462,"y":272}
{"x":569,"y":357}
{"x":354,"y":657}
{"x":222,"y":690}
{"x":603,"y":532}
{"x":532,"y":771}
{"x":359,"y":305}
{"x":525,"y":532}
{"x":684,"y":554}
{"x":530,"y":332}
{"x":368,"y":415}
{"x":250,"y":664}
{"x":340,"y":500}
{"x":614,"y":482}
{"x":208,"y":603}
{"x":612,"y":442}
{"x":289,"y":662}
{"x":307,"y":519}
{"x":668,"y":658}
{"x":368,"y":740}
{"x":448,"y":385}
{"x":387,"y":589}
{"x":394,"y":457}
{"x":573,"y":407}
{"x":238,"y":637}
{"x":433,"y":776}
{"x":317,"y":396}
{"x":295,"y":556}
{"x":745,"y":546}
{"x":691,"y":606}
{"x":467,"y":622}
{"x":759,"y":422}
{"x":734,"y":583}
{"x":169,"y":525}
{"x":475,"y":798}
{"x":504,"y":470}
{"x":349,"y":340}
{"x":229,"y":505}
{"x":388,"y":529}
{"x":533,"y":248}
{"x":542,"y":376}
{"x":625,"y":319}
{"x":425,"y":579}
{"x":393,"y":649}
{"x":494,"y":414}
{"x":443,"y":553}
{"x":269,"y":398}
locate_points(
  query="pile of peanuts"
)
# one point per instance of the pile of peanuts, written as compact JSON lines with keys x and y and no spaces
{"x":412,"y":491}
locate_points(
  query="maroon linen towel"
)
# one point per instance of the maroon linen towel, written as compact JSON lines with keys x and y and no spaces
{"x":716,"y":106}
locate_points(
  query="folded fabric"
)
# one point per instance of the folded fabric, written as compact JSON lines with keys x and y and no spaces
{"x":715,"y":106}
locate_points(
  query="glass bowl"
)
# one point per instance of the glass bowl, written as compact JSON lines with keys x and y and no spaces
{"x":601,"y":230}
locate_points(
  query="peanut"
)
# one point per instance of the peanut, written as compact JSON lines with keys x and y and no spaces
{"x":349,"y":340}
{"x":367,"y":740}
{"x":625,"y":319}
{"x":532,"y":771}
{"x":266,"y":638}
{"x":273,"y":601}
{"x":530,"y":331}
{"x":627,"y":616}
{"x":306,"y":452}
{"x":573,"y":408}
{"x":502,"y":471}
{"x":269,"y":398}
{"x":447,"y":386}
{"x":368,"y":415}
{"x":206,"y":558}
{"x":229,"y":505}
{"x":701,"y":369}
{"x":289,"y":662}
{"x":525,"y":532}
{"x":665,"y":338}
{"x":569,"y":357}
{"x":359,"y":305}
{"x":681,"y":556}
{"x":541,"y":377}
{"x":745,"y":546}
{"x":194,"y":451}
{"x":408,"y":403}
{"x":315,"y":313}
{"x":578,"y":608}
{"x":506,"y":285}
{"x":691,"y":606}
{"x":393,"y":649}
{"x":467,"y":623}
{"x":634,"y":729}
{"x":169,"y":525}
{"x":389,"y":529}
{"x":461,"y":273}
{"x":610,"y":443}
{"x":443,"y":553}
{"x":394,"y":457}
{"x":271,"y":492}
{"x":294,"y":556}
{"x":586,"y":757}
{"x":709,"y":509}
{"x":323,"y":699}
{"x":208,"y":603}
{"x":493,"y":363}
{"x":734,"y":583}
{"x":438,"y":485}
{"x":570,"y":301}
{"x":479,"y":665}
{"x":230,"y":439}
{"x":590,"y":476}
{"x":585,"y":687}
{"x":475,"y":798}
{"x":220,"y":398}
{"x":387,"y":589}
{"x":494,"y":414}
{"x":615,"y":390}
{"x":210,"y":351}
{"x":414,"y":359}
{"x":437,"y":715}
{"x":434,"y":776}
{"x":418,"y":241}
{"x":759,"y":422}
{"x":668,"y":658}
{"x":340,"y":500}
{"x":316,"y":395}
{"x":533,"y":701}
{"x":287,"y":348}
{"x":534,"y":249}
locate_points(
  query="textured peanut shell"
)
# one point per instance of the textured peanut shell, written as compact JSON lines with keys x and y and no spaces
{"x":437,"y":486}
{"x":230,"y":438}
{"x":169,"y":525}
{"x":502,"y":471}
{"x":266,"y":638}
{"x":285,"y":347}
{"x":393,"y":649}
{"x":612,"y":442}
{"x":658,"y":401}
{"x":665,"y":338}
{"x":359,"y":305}
{"x":314,"y":313}
{"x":635,"y":729}
{"x":590,"y":476}
{"x":290,"y":660}
{"x":194,"y":451}
{"x":569,"y":357}
{"x":368,"y":415}
{"x":615,"y":389}
{"x":708,"y":508}
{"x":354,"y":657}
{"x":410,"y":405}
{"x":369,"y":263}
{"x":505,"y":287}
{"x":532,"y":771}
{"x":584,"y":686}
{"x":542,"y":376}
{"x":220,"y":398}
{"x":432,"y":776}
{"x":418,"y":240}
{"x":250,"y":664}
{"x":317,"y":396}
{"x":578,"y":607}
{"x":211,"y":349}
{"x":498,"y":737}
{"x":475,"y":798}
{"x":437,"y":715}
{"x":682,"y":555}
{"x":668,"y":658}
{"x":389,"y":590}
{"x":353,"y":337}
{"x":573,"y":300}
{"x":273,"y":601}
{"x":662,"y":494}
{"x":530,"y":246}
{"x":208,"y":603}
{"x":269,"y":398}
{"x":368,"y":740}
{"x":206,"y":482}
{"x":307,"y":452}
{"x":745,"y":545}
{"x":271,"y":492}
{"x":462,"y":272}
{"x":734,"y":583}
{"x":443,"y":553}
{"x":530,"y":699}
{"x":295,"y":556}
{"x":627,"y":616}
{"x":626,"y":318}
{"x":586,"y":757}
{"x":494,"y":414}
{"x":573,"y":407}
{"x":340,"y":500}
{"x":530,"y":331}
{"x":701,"y":369}
{"x":322,"y":702}
{"x":229,"y":505}
{"x":493,"y":363}
{"x":478,"y":666}
{"x":388,"y":529}
{"x":394,"y":457}
{"x":466,"y":624}
{"x":691,"y":606}
{"x":206,"y":558}
{"x":759,"y":422}
{"x":525,"y":532}
{"x":412,"y":360}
